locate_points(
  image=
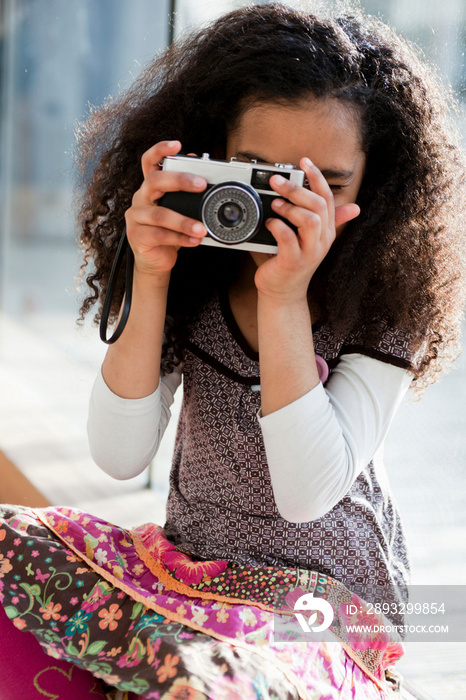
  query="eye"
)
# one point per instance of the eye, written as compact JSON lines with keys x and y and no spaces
{"x":336,"y":188}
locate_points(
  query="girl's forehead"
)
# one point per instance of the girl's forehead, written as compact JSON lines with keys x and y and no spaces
{"x":328,"y":131}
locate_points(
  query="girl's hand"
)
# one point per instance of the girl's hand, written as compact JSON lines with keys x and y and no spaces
{"x":286,"y":276}
{"x":156,"y":233}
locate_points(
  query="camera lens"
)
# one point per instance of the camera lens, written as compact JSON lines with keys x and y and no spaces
{"x":231,"y":212}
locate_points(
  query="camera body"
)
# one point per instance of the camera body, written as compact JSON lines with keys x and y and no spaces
{"x":236,"y":202}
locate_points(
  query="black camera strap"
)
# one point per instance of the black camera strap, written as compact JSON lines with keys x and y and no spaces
{"x":123,"y":247}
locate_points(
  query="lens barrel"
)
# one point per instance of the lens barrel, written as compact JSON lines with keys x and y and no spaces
{"x":231,"y":212}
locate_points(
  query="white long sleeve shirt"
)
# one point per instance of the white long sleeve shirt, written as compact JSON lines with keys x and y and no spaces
{"x":316,"y":446}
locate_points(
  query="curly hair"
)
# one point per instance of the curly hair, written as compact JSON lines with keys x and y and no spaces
{"x":403,"y":258}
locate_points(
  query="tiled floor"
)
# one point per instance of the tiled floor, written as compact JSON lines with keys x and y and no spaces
{"x":45,"y":384}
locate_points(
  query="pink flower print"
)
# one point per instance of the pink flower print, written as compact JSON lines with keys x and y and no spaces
{"x":51,"y":612}
{"x":98,"y":597}
{"x":34,"y":553}
{"x":74,"y":601}
{"x":189,"y":571}
{"x":157,"y":542}
{"x":5,"y":566}
{"x":134,"y":655}
{"x":16,"y":542}
{"x":15,"y":600}
{"x":41,"y":577}
{"x":109,"y":617}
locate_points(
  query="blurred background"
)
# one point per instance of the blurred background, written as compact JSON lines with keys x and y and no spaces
{"x":57,"y":59}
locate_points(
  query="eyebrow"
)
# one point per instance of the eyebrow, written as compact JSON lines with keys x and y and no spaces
{"x":250,"y":155}
{"x":331,"y":174}
{"x":328,"y":173}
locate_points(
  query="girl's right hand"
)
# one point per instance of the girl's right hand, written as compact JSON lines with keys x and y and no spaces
{"x":156,"y":233}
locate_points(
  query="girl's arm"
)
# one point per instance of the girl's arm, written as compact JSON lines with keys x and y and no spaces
{"x":317,"y":445}
{"x":286,"y":352}
{"x":125,"y":434}
{"x":131,"y":369}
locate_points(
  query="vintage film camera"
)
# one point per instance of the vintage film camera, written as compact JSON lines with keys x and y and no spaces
{"x":236,"y":202}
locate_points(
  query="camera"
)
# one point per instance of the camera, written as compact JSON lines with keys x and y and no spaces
{"x":236,"y":202}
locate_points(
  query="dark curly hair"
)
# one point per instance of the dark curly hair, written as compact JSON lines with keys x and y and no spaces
{"x":403,"y":258}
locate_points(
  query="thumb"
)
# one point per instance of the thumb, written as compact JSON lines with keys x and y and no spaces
{"x":345,"y":213}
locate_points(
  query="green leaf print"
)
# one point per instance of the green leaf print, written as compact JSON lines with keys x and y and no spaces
{"x":72,"y":650}
{"x":96,"y":647}
{"x":11,"y":611}
{"x":135,"y":685}
{"x":137,"y":609}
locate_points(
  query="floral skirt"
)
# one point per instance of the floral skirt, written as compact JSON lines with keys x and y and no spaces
{"x":144,"y":616}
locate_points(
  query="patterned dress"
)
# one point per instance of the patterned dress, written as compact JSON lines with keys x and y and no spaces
{"x":221,"y":503}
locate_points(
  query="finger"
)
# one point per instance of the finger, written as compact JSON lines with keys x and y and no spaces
{"x":304,"y":217}
{"x":167,"y":219}
{"x":296,"y":193}
{"x":151,"y":158}
{"x":345,"y":213}
{"x":287,"y":240}
{"x":143,"y":238}
{"x":305,"y":198}
{"x":317,"y":182}
{"x":308,"y":223}
{"x":159,"y":182}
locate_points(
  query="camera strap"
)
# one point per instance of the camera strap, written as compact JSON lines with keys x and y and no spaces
{"x":123,"y":247}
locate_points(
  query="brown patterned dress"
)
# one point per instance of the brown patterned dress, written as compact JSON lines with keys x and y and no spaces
{"x":221,"y":503}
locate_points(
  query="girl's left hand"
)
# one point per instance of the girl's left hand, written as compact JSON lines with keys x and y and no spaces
{"x":286,"y":276}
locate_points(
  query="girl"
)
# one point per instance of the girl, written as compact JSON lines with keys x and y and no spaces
{"x":293,"y":365}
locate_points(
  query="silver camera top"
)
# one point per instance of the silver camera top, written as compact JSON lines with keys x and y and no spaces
{"x":217,"y":171}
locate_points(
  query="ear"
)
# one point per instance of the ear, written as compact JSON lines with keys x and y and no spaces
{"x":345,"y":213}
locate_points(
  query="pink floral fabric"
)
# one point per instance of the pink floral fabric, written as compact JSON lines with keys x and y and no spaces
{"x":145,"y":616}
